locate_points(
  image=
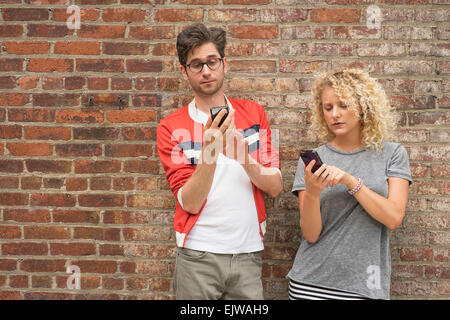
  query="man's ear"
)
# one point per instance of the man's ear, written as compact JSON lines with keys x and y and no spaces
{"x":183,"y":72}
{"x":225,"y":65}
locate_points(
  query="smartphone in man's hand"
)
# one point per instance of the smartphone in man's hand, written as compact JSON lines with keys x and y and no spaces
{"x":309,"y":155}
{"x":215,"y":111}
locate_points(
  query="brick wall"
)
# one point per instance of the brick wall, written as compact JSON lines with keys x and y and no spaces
{"x":81,"y":182}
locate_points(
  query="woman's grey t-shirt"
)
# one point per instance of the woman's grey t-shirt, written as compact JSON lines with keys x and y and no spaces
{"x":352,"y":251}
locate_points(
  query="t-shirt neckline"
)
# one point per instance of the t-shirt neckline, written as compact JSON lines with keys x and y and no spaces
{"x":331,"y":147}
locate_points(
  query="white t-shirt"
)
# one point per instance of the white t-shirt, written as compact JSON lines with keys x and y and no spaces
{"x":229,"y":221}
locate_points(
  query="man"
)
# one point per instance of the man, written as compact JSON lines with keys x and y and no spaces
{"x":218,"y":176}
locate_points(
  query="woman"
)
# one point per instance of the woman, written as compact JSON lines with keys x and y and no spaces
{"x":348,"y":206}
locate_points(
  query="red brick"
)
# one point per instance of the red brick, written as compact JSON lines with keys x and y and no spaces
{"x":146,"y":100}
{"x":86,"y":14}
{"x":25,"y":215}
{"x":254,"y":32}
{"x":125,"y":14}
{"x":27,"y":47}
{"x":77,"y":47}
{"x":45,"y":232}
{"x":177,"y":15}
{"x":47,"y":133}
{"x":10,"y":295}
{"x":31,"y":115}
{"x":247,"y":2}
{"x":7,"y":65}
{"x":9,"y":232}
{"x":128,"y":150}
{"x":111,"y":250}
{"x":73,"y":83}
{"x":125,"y":48}
{"x":13,"y":166}
{"x":13,"y":199}
{"x":52,"y":200}
{"x":96,"y":133}
{"x":101,"y":200}
{"x":50,"y":65}
{"x":251,"y":66}
{"x":330,"y":15}
{"x":123,"y":184}
{"x":147,"y":234}
{"x":135,"y":65}
{"x":25,"y":14}
{"x":8,"y":82}
{"x":51,"y":83}
{"x":10,"y":132}
{"x":18,"y":281}
{"x":8,"y":264}
{"x":76,"y":184}
{"x":164,"y":201}
{"x":32,"y":182}
{"x":100,"y":65}
{"x":72,"y":249}
{"x":112,"y":283}
{"x":47,"y":296}
{"x":100,"y":183}
{"x":131,"y":116}
{"x":9,"y":182}
{"x":151,"y":32}
{"x":97,"y":233}
{"x":10,"y":31}
{"x":41,"y":281}
{"x":14,"y":99}
{"x":49,"y":166}
{"x":30,"y":149}
{"x":101,"y":31}
{"x":79,"y":116}
{"x":134,"y":133}
{"x":35,"y":265}
{"x":25,"y":248}
{"x":78,"y":150}
{"x":48,"y":31}
{"x":94,"y":266}
{"x":141,"y":166}
{"x":76,"y":216}
{"x":28,"y":82}
{"x":101,"y":166}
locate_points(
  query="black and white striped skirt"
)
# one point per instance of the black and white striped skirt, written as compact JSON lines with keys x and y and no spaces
{"x":301,"y":291}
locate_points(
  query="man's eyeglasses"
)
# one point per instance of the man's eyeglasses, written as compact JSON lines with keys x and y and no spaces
{"x":212,"y":63}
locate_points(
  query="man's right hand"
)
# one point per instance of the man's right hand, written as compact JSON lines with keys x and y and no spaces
{"x":215,"y":137}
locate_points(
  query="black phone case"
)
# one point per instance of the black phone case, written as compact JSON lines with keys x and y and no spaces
{"x":308,"y":155}
{"x":215,"y":111}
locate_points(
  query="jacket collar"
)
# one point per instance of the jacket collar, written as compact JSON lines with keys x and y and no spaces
{"x":200,"y":116}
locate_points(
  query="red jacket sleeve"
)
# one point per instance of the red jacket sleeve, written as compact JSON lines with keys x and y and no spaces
{"x":269,"y":155}
{"x":176,"y":165}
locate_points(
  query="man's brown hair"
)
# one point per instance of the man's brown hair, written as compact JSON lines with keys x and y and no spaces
{"x":196,"y":35}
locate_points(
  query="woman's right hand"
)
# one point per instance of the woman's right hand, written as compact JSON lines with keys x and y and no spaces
{"x":317,"y":181}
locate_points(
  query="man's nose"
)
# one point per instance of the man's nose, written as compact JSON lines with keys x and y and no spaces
{"x":206,"y":70}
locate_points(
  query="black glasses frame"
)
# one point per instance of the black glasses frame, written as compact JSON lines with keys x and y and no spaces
{"x":203,"y":63}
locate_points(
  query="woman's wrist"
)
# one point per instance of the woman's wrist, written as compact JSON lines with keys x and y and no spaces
{"x":350,"y":181}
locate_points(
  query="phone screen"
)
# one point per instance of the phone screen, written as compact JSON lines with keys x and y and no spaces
{"x":309,"y":155}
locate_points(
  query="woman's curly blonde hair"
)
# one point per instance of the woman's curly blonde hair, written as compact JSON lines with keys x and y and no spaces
{"x":355,"y":88}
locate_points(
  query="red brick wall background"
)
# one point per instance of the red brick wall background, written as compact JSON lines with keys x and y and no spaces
{"x":81,"y":183}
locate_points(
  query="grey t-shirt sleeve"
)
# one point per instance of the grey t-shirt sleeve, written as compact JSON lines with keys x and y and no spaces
{"x":299,"y":179}
{"x":398,"y":165}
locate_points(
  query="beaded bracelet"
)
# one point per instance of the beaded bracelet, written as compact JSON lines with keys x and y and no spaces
{"x":357,"y":187}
